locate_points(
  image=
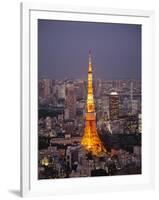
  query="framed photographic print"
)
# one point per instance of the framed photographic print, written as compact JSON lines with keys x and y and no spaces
{"x":87,"y":90}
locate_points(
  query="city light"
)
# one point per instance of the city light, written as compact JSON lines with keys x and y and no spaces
{"x":90,"y":140}
{"x":89,"y":127}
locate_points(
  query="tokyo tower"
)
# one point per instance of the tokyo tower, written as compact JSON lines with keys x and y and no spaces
{"x":90,"y":140}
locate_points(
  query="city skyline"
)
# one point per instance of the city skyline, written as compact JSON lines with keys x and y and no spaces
{"x":89,"y":99}
{"x":63,"y":46}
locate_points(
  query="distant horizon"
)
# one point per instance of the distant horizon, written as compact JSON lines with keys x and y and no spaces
{"x":63,"y":48}
{"x":66,"y":78}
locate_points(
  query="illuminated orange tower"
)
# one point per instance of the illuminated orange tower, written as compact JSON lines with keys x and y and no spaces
{"x":90,"y":140}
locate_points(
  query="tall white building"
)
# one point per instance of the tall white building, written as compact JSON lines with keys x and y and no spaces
{"x":62,"y":91}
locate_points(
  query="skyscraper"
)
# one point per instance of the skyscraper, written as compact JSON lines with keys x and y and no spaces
{"x":114,"y":105}
{"x":47,"y":85}
{"x":61,"y":91}
{"x":71,"y":101}
{"x":90,"y":140}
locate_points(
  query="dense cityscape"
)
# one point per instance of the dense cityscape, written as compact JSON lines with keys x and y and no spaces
{"x":62,"y":108}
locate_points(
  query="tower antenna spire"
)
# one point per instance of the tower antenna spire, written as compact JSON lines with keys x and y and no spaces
{"x":90,"y":61}
{"x":90,"y":140}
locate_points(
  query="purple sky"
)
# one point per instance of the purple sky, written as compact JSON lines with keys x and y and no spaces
{"x":63,"y":48}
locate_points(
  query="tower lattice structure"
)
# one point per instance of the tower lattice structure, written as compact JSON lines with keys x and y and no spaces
{"x":90,"y":140}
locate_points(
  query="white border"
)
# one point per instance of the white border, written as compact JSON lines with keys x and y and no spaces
{"x":29,"y":184}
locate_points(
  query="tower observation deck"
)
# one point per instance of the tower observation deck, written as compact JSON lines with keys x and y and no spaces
{"x":90,"y":140}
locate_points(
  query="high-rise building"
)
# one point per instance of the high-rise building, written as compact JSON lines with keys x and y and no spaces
{"x":61,"y":91}
{"x":105,"y":104}
{"x":135,"y":106}
{"x":66,"y":113}
{"x":90,"y":140}
{"x":98,"y":88}
{"x":131,"y":91}
{"x":114,"y":105}
{"x":71,"y":101}
{"x":41,"y":88}
{"x":139,"y":122}
{"x":47,"y":86}
{"x":80,"y":89}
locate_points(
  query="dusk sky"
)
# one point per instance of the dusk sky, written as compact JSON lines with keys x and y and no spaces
{"x":63,"y":48}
